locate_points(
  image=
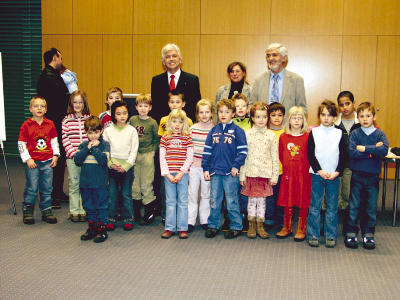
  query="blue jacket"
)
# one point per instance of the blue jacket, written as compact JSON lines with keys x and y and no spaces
{"x":224,"y":149}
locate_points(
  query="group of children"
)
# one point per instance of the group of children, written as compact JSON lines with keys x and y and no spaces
{"x":255,"y":168}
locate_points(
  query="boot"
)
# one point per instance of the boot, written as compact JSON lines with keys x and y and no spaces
{"x":136,"y":210}
{"x":260,"y":229}
{"x":90,"y":232}
{"x":301,"y":229}
{"x":48,"y":217}
{"x":101,"y":233}
{"x":286,"y":229}
{"x":28,"y":216}
{"x":149,"y":214}
{"x":251,"y":233}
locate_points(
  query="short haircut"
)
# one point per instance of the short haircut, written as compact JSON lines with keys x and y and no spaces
{"x":177,"y":114}
{"x":240,"y":96}
{"x":241,"y":65}
{"x":282,"y":51}
{"x":176,"y":92}
{"x":49,"y":54}
{"x":144,"y":99}
{"x":34,"y":98}
{"x":366,"y":106}
{"x":228,"y":103}
{"x":93,"y":123}
{"x":347,"y":94}
{"x":259,"y":105}
{"x":114,"y":107}
{"x":330,"y":107}
{"x":114,"y":90}
{"x":170,"y":47}
{"x":85,"y":110}
{"x":296,"y":110}
{"x":276,"y":106}
{"x":204,"y":102}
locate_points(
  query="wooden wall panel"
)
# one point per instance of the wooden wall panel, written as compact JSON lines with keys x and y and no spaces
{"x":103,"y":17}
{"x":359,"y":66}
{"x":372,"y":17}
{"x":387,"y":88}
{"x":57,"y":17}
{"x":117,"y":62}
{"x":63,"y":43}
{"x":237,"y":17}
{"x":307,"y":17}
{"x":147,"y":57}
{"x":166,"y":17}
{"x":88,"y":66}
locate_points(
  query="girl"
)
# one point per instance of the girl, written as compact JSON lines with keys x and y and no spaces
{"x":124,"y":143}
{"x":176,"y":156}
{"x":73,"y":134}
{"x":204,"y":113}
{"x":261,"y":168}
{"x":295,"y":179}
{"x":326,"y":153}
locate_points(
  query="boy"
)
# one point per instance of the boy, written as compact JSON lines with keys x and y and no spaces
{"x":38,"y":148}
{"x":242,"y":108}
{"x":224,"y":153}
{"x":142,"y":187}
{"x":92,"y":156}
{"x":113,"y":94}
{"x":368,"y":145}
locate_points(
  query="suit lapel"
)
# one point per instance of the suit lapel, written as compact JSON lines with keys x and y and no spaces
{"x":181,"y":81}
{"x":267,"y":86}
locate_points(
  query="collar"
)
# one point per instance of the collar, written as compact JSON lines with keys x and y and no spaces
{"x":368,"y":130}
{"x":177,"y":74}
{"x":339,"y":119}
{"x":281,"y":74}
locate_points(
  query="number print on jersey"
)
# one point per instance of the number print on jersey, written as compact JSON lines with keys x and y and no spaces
{"x":140,"y":130}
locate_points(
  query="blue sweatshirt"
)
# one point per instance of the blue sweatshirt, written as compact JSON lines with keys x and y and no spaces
{"x":224,"y":149}
{"x":369,"y":161}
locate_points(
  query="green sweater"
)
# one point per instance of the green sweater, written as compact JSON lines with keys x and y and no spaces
{"x":147,"y":132}
{"x":242,"y":123}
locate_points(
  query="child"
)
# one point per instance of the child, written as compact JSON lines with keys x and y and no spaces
{"x":242,"y":108}
{"x":142,"y":188}
{"x":224,"y":153}
{"x":38,"y":148}
{"x":73,"y":134}
{"x":261,"y":169}
{"x":200,"y":130}
{"x":296,"y":179}
{"x":368,"y":145}
{"x":124,"y":142}
{"x":326,"y":152}
{"x":113,"y":94}
{"x":92,"y":157}
{"x":176,"y":156}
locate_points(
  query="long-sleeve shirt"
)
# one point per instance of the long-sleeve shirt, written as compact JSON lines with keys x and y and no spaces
{"x":73,"y":133}
{"x":147,"y":132}
{"x":199,"y":135}
{"x":176,"y":154}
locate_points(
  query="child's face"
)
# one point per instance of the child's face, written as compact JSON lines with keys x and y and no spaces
{"x":112,"y":98}
{"x":276,"y":118}
{"x":296,"y":122}
{"x":326,"y":118}
{"x":143,"y":109}
{"x":260,"y":118}
{"x":38,"y":108}
{"x":77,"y":104}
{"x":175,"y":102}
{"x":366,"y":118}
{"x":94,"y":135}
{"x":176,"y":125}
{"x":241,"y":108}
{"x":121,"y":115}
{"x":346,"y":107}
{"x":204,"y":113}
{"x":225,"y":114}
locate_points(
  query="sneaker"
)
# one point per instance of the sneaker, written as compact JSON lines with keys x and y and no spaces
{"x":110,"y":225}
{"x":211,"y":232}
{"x":167,"y":234}
{"x":183,"y":235}
{"x":74,"y":218}
{"x":28,"y":216}
{"x":351,"y":241}
{"x":48,"y":217}
{"x":149,"y":214}
{"x":90,"y":233}
{"x":190,"y":228}
{"x":82,"y":218}
{"x":313,"y":242}
{"x":204,"y":226}
{"x":231,"y":234}
{"x":369,"y":241}
{"x":101,"y":234}
{"x":128,"y":224}
{"x":330,"y":243}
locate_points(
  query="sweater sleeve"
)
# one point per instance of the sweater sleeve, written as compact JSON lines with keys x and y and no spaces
{"x":155,"y":137}
{"x":99,"y":155}
{"x":312,"y":159}
{"x":134,"y":147}
{"x":241,"y":148}
{"x":275,"y":158}
{"x":69,"y":150}
{"x":380,"y":151}
{"x":81,"y":154}
{"x":342,"y":154}
{"x":207,"y":153}
{"x":55,"y":147}
{"x":188,"y":160}
{"x":354,"y":142}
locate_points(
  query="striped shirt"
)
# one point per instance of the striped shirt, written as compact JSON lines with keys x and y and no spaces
{"x":176,"y":154}
{"x":199,"y":135}
{"x":73,"y":133}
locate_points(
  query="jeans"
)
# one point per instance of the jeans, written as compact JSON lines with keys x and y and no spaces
{"x":330,"y":188}
{"x":75,"y":200}
{"x":363,"y":198}
{"x":229,"y":184}
{"x":39,"y":179}
{"x":274,"y":213}
{"x":95,"y":202}
{"x":121,"y":183}
{"x":176,"y":198}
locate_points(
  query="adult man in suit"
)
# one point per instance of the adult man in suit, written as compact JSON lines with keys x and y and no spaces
{"x":278,"y":84}
{"x":172,"y":78}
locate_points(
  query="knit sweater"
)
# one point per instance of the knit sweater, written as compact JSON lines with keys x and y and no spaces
{"x":199,"y":135}
{"x":73,"y":133}
{"x":278,"y":133}
{"x":106,"y":119}
{"x":263,"y":156}
{"x":176,"y":153}
{"x":147,"y":132}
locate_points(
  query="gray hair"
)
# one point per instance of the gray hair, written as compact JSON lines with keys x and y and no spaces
{"x":281,"y":49}
{"x":170,"y":47}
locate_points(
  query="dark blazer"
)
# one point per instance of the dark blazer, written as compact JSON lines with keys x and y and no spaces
{"x":188,"y":84}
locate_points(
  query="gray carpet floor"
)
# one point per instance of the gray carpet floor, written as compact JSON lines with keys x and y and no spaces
{"x":46,"y":261}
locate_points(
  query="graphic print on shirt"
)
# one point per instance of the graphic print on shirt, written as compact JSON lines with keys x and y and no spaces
{"x":293,"y":149}
{"x":140,"y":130}
{"x":41,"y":144}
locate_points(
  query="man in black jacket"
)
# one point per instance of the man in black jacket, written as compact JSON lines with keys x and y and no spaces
{"x":52,"y":87}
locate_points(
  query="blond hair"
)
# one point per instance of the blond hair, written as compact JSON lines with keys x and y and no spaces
{"x":37,"y":98}
{"x":204,"y":102}
{"x":296,"y":110}
{"x":177,"y":114}
{"x":144,"y":98}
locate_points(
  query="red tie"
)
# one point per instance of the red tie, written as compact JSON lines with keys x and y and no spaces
{"x":172,"y":83}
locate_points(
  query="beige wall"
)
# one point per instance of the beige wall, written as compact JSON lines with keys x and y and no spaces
{"x":334,"y":45}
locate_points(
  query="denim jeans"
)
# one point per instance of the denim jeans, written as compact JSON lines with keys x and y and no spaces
{"x":274,"y":213}
{"x":176,"y":199}
{"x":229,"y":185}
{"x":121,"y":183}
{"x":364,"y":190}
{"x":95,"y":202}
{"x":330,"y":188}
{"x":39,"y":179}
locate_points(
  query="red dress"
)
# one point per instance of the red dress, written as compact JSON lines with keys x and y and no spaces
{"x":295,"y":189}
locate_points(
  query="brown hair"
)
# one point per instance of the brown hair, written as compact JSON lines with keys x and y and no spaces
{"x":228,"y":103}
{"x":85,"y":110}
{"x":176,"y":93}
{"x":114,"y":90}
{"x":241,"y":65}
{"x":144,"y":98}
{"x":240,"y":96}
{"x":366,"y":106}
{"x":330,"y":107}
{"x":258,"y":106}
{"x":93,"y":123}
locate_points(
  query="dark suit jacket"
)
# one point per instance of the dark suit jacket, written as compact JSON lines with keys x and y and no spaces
{"x":188,"y":84}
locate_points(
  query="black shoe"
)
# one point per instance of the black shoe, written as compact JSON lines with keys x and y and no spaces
{"x":231,"y":234}
{"x":204,"y":226}
{"x":211,"y":232}
{"x":149,"y":214}
{"x":101,"y":234}
{"x":269,"y":226}
{"x":28,"y":216}
{"x":225,"y":226}
{"x":190,"y":228}
{"x":351,"y":241}
{"x":48,"y":217}
{"x":55,"y":204}
{"x":136,"y":211}
{"x":90,"y":232}
{"x":369,"y":242}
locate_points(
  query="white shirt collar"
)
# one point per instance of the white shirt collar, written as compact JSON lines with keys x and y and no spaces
{"x":177,"y":75}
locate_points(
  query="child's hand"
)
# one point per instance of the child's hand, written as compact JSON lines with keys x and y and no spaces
{"x":54,"y":162}
{"x":234,"y":172}
{"x":31,"y":163}
{"x":243,"y":183}
{"x":207,"y":176}
{"x":324,"y":174}
{"x":171,"y":178}
{"x":95,"y":143}
{"x":333,"y":175}
{"x":89,"y":145}
{"x":379,"y":144}
{"x":117,"y":168}
{"x":360,"y":148}
{"x":273,"y":183}
{"x":178,"y":177}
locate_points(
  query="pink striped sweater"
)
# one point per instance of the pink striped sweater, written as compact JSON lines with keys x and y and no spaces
{"x":73,"y":133}
{"x":199,"y":135}
{"x":176,"y":153}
